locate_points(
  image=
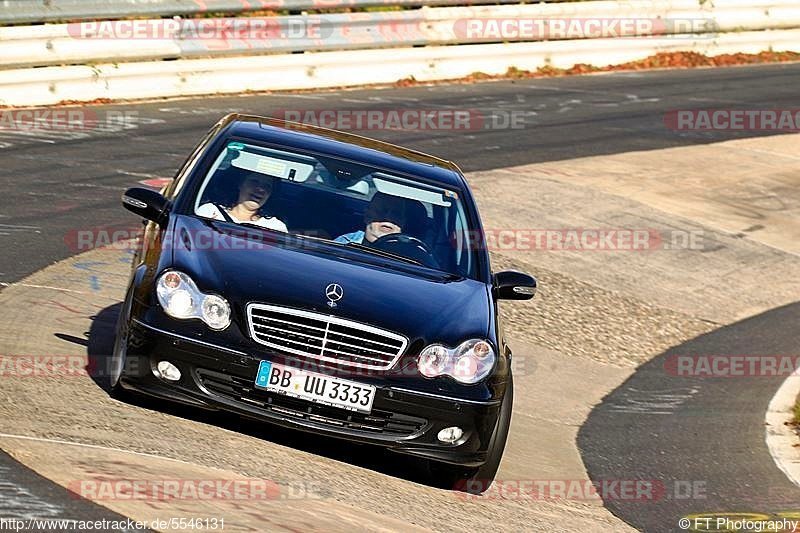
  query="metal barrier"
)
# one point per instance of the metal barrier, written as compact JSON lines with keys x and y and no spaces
{"x":108,"y":59}
{"x":28,"y":11}
{"x":231,"y":75}
{"x":143,"y":40}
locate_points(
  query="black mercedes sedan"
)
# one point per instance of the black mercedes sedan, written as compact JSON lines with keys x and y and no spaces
{"x":326,"y":282}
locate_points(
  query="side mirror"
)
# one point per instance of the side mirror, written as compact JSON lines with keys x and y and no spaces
{"x":513,"y":285}
{"x":146,"y":203}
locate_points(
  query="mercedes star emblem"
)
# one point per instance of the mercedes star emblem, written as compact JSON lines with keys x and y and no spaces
{"x":334,"y":292}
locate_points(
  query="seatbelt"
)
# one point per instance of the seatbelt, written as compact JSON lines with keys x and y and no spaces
{"x":224,"y":214}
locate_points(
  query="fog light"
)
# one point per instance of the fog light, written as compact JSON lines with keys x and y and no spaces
{"x":168,"y":371}
{"x":450,"y":435}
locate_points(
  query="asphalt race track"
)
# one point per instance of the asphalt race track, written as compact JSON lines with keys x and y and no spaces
{"x":700,"y":432}
{"x":73,"y":179}
{"x":28,"y":496}
{"x":692,"y":430}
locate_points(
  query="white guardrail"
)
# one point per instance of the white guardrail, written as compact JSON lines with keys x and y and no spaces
{"x":125,"y":59}
{"x":26,"y":11}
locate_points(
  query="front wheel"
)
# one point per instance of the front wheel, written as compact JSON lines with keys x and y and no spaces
{"x":116,"y":365}
{"x":477,"y":480}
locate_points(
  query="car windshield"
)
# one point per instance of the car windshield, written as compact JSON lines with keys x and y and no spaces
{"x":340,"y":202}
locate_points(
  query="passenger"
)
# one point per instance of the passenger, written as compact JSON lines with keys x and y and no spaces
{"x":254,"y":190}
{"x":384,"y":216}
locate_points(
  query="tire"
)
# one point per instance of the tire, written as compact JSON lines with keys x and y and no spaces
{"x":116,"y":365}
{"x":478,"y":480}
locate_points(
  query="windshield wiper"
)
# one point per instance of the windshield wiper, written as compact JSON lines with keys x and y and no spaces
{"x":384,"y":253}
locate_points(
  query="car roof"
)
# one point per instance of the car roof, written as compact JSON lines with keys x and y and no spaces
{"x":345,"y":145}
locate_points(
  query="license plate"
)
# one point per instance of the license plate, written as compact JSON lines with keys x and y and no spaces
{"x":317,"y":388}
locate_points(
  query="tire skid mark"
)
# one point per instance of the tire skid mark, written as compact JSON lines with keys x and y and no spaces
{"x":18,"y":502}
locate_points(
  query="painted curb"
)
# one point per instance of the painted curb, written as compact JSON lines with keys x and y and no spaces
{"x":782,"y":440}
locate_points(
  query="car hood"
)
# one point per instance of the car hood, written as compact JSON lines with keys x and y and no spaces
{"x":423,"y":306}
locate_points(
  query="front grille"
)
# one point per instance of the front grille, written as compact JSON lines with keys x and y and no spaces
{"x":324,"y":337}
{"x":242,"y":390}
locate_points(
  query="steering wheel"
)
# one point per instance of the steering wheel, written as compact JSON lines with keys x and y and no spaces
{"x":407,"y":246}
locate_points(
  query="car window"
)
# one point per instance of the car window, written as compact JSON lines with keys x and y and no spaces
{"x":344,"y":203}
{"x":179,"y":180}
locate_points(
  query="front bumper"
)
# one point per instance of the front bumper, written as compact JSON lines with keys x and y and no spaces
{"x":220,"y":378}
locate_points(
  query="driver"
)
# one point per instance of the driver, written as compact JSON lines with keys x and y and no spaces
{"x":385,"y":215}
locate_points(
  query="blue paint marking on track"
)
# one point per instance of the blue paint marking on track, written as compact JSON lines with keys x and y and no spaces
{"x":89,"y":265}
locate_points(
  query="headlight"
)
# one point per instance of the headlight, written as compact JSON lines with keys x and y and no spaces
{"x":469,"y":362}
{"x":216,"y":312}
{"x":433,"y":360}
{"x":181,"y":298}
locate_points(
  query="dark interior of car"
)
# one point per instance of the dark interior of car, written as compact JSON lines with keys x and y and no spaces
{"x":313,"y":211}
